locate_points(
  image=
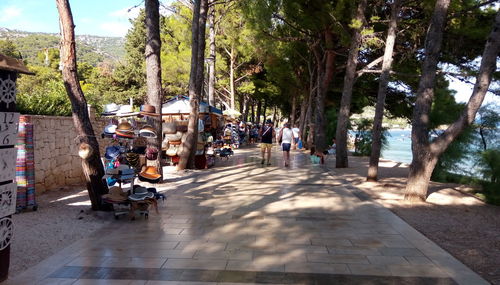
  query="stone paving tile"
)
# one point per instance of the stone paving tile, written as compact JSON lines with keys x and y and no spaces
{"x":226,"y":254}
{"x":88,"y":261}
{"x":400,"y":251}
{"x":369,"y":269}
{"x":317,"y":268}
{"x":56,"y":281}
{"x":210,"y":264}
{"x":331,"y":242}
{"x":264,"y":265}
{"x":335,"y":258}
{"x":356,"y":250}
{"x":387,"y":260}
{"x":417,"y":270}
{"x":419,"y":260}
{"x":134,"y":262}
{"x":109,"y":282}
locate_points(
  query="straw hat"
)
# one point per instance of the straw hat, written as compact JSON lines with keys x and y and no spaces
{"x":148,"y":109}
{"x":147,"y":131}
{"x":150,"y":174}
{"x":115,"y":194}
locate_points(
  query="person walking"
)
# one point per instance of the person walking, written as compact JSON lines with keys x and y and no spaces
{"x":296,"y":136}
{"x":286,"y":135}
{"x":266,"y":143}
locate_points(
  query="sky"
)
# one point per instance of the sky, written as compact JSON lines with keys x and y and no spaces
{"x":111,"y":18}
{"x":91,"y":17}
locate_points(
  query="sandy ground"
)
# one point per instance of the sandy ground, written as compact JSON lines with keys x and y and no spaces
{"x":62,"y":218}
{"x":458,"y":222}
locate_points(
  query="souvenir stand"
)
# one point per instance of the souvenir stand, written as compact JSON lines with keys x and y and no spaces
{"x":9,"y":120}
{"x":175,"y":114}
{"x":125,"y":161}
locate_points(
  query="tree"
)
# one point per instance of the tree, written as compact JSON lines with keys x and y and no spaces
{"x":153,"y":73}
{"x":91,"y":164}
{"x":345,"y":104}
{"x":195,"y":82}
{"x":426,"y":153}
{"x":382,"y":91}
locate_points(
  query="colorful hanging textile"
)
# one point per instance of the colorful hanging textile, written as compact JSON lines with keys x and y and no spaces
{"x":25,"y":165}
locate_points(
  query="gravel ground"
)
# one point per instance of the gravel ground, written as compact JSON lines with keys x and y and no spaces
{"x":62,"y":218}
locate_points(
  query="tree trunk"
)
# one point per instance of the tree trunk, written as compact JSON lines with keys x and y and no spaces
{"x":259,"y":109}
{"x":264,"y":110}
{"x":92,"y":165}
{"x":294,"y":108}
{"x":345,"y":103}
{"x":302,"y":117}
{"x":417,"y":186}
{"x":212,"y":57}
{"x":231,"y":77}
{"x":382,"y":91}
{"x":241,"y":99}
{"x":326,"y":69}
{"x":275,"y":116}
{"x":252,"y":112}
{"x":483,"y":139}
{"x":153,"y":73}
{"x":195,"y":83}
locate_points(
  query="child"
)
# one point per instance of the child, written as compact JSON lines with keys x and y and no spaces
{"x":317,"y":157}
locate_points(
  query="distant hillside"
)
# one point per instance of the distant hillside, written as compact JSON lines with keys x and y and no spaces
{"x":91,"y":49}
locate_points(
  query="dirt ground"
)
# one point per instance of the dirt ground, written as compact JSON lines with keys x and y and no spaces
{"x":461,"y":224}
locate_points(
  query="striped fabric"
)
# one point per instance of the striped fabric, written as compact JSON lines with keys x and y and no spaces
{"x":25,"y":165}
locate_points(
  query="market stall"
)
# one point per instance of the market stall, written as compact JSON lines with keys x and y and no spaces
{"x":175,"y":115}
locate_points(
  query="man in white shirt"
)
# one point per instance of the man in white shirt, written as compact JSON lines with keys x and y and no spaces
{"x":286,"y":136}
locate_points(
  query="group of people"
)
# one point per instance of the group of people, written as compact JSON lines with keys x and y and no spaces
{"x":286,"y":136}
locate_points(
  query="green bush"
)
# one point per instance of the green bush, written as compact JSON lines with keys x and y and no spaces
{"x":363,"y":140}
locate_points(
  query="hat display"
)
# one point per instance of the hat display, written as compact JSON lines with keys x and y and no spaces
{"x":110,"y":129}
{"x":124,"y":110}
{"x":115,"y":194}
{"x":132,"y":159}
{"x":112,"y":152}
{"x":151,"y":153}
{"x":147,"y":131}
{"x":110,"y":109}
{"x":148,"y":109}
{"x":150,"y":174}
{"x":124,"y":130}
{"x":141,"y":193}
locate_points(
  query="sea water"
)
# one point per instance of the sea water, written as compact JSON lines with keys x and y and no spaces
{"x":399,"y":146}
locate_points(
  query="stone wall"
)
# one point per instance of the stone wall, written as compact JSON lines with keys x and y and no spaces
{"x":57,"y":163}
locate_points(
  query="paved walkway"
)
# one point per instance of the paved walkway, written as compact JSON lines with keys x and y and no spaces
{"x":244,"y":223}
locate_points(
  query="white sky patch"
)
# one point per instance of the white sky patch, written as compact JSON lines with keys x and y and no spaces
{"x":9,"y":13}
{"x":115,"y":28}
{"x":125,"y":13}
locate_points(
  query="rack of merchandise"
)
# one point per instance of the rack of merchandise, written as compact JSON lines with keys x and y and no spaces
{"x":125,"y":161}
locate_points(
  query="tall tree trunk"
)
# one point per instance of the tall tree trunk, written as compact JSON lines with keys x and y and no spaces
{"x":241,"y":99}
{"x":212,"y":56}
{"x":294,"y":110}
{"x":326,"y":68}
{"x":345,"y":103}
{"x":92,"y":165}
{"x":275,"y":116}
{"x":231,"y":77}
{"x":252,"y":112}
{"x":302,"y":117}
{"x":264,"y":110}
{"x":426,"y":154}
{"x":153,"y":73}
{"x":382,"y":91}
{"x":259,"y":109}
{"x":195,"y":82}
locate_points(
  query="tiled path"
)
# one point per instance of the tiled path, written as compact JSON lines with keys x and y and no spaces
{"x":243,"y":223}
